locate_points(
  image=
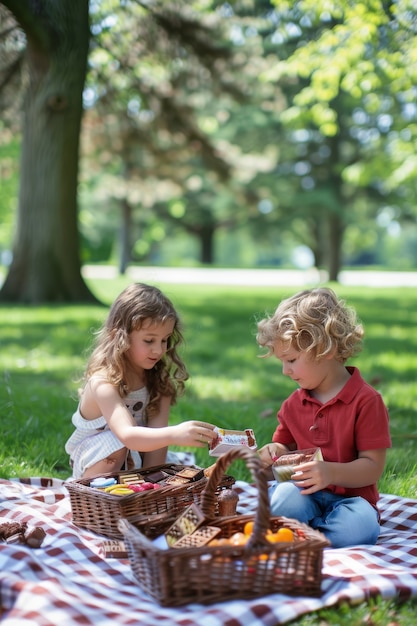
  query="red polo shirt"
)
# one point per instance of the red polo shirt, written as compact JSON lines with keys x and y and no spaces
{"x":354,"y":420}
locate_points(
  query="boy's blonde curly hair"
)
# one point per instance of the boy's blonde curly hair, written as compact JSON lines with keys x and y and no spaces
{"x":314,"y":321}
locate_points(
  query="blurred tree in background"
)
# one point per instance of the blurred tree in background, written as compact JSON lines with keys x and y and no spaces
{"x":349,"y":71}
{"x":163,"y":83}
{"x":45,"y":265}
{"x":212,"y":132}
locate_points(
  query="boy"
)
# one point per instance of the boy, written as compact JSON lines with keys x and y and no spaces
{"x":313,"y":334}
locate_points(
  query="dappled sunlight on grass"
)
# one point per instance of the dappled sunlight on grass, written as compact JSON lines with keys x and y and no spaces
{"x":209,"y":387}
{"x":44,"y":351}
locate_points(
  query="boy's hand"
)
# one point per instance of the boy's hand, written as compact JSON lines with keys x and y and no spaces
{"x":270,"y":452}
{"x":312,"y":476}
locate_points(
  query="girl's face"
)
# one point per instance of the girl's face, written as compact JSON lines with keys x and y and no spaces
{"x":149,"y":343}
{"x":301,"y":367}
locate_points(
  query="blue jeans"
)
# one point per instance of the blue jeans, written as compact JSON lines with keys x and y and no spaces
{"x":344,"y":521}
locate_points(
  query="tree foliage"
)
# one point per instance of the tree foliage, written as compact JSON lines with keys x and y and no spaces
{"x":165,"y":81}
{"x":345,"y":69}
{"x":289,"y":119}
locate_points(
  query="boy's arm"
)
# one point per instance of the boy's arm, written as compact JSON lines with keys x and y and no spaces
{"x":365,"y":470}
{"x":270,"y":452}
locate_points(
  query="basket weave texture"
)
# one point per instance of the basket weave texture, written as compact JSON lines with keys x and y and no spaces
{"x":151,"y":511}
{"x":209,"y":574}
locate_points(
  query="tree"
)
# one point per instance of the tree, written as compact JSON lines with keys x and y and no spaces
{"x":165,"y":81}
{"x":46,"y":263}
{"x":347,"y":70}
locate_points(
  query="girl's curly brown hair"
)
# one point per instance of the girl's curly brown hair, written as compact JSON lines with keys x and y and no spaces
{"x":137,"y":303}
{"x":313,"y":321}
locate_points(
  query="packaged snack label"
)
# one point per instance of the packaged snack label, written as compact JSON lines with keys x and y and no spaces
{"x":282,"y":468}
{"x":228,"y":439}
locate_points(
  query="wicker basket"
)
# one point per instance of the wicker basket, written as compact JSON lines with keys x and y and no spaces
{"x":151,"y":511}
{"x":209,"y":574}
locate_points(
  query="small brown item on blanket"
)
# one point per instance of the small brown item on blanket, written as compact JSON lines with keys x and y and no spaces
{"x":34,"y":537}
{"x":114,"y":549}
{"x":16,"y":532}
{"x":17,"y":538}
{"x":7,"y":529}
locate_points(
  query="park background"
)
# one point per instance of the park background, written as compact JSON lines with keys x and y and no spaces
{"x":238,"y":134}
{"x":202,"y":135}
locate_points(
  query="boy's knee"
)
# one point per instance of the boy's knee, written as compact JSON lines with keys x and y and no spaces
{"x":285,"y":499}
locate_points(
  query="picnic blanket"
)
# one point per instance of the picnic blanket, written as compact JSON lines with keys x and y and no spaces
{"x":68,"y":581}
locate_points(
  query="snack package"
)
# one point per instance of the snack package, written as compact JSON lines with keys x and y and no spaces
{"x":228,"y":439}
{"x":282,"y":468}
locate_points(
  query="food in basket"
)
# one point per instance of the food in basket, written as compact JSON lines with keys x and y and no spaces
{"x":229,"y":439}
{"x":157,"y":477}
{"x":101,"y":482}
{"x":282,"y":534}
{"x":241,"y":537}
{"x":151,"y":510}
{"x":200,"y":537}
{"x":123,"y":488}
{"x":229,"y":571}
{"x":282,"y":468}
{"x":145,"y":486}
{"x":227,"y":500}
{"x":186,"y":524}
{"x":119,"y":490}
{"x":135,"y":482}
{"x":131,"y":479}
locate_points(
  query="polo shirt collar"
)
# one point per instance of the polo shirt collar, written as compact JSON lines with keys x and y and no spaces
{"x":346,"y":394}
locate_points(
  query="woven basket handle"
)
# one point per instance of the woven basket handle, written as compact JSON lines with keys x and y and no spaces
{"x":254,"y":464}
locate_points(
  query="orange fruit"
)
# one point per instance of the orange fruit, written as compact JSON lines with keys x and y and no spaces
{"x":248,"y":527}
{"x":284,"y":534}
{"x":238,"y":539}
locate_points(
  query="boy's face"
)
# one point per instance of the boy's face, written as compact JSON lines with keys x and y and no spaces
{"x":301,"y":367}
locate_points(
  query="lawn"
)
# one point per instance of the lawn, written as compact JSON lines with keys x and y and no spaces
{"x":44,"y":350}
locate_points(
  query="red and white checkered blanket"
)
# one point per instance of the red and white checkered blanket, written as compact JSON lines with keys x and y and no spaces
{"x":67,"y":581}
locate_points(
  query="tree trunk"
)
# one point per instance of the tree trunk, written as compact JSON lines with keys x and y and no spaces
{"x":336,"y":230}
{"x":46,"y":263}
{"x":207,"y":245}
{"x":125,"y":236}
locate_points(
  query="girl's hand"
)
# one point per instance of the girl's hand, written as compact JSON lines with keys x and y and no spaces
{"x":194,"y":433}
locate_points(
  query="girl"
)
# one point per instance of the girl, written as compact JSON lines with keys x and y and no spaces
{"x":133,"y":377}
{"x":313,"y":334}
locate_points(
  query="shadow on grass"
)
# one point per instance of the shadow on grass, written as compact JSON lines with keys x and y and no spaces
{"x":44,"y":351}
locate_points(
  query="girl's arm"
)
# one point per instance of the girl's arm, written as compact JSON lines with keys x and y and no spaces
{"x":158,"y":457}
{"x":102,"y":398}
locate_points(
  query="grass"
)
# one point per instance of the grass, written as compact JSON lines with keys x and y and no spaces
{"x":44,"y":349}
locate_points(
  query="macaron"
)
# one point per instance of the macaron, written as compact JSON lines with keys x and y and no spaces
{"x":102,"y":482}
